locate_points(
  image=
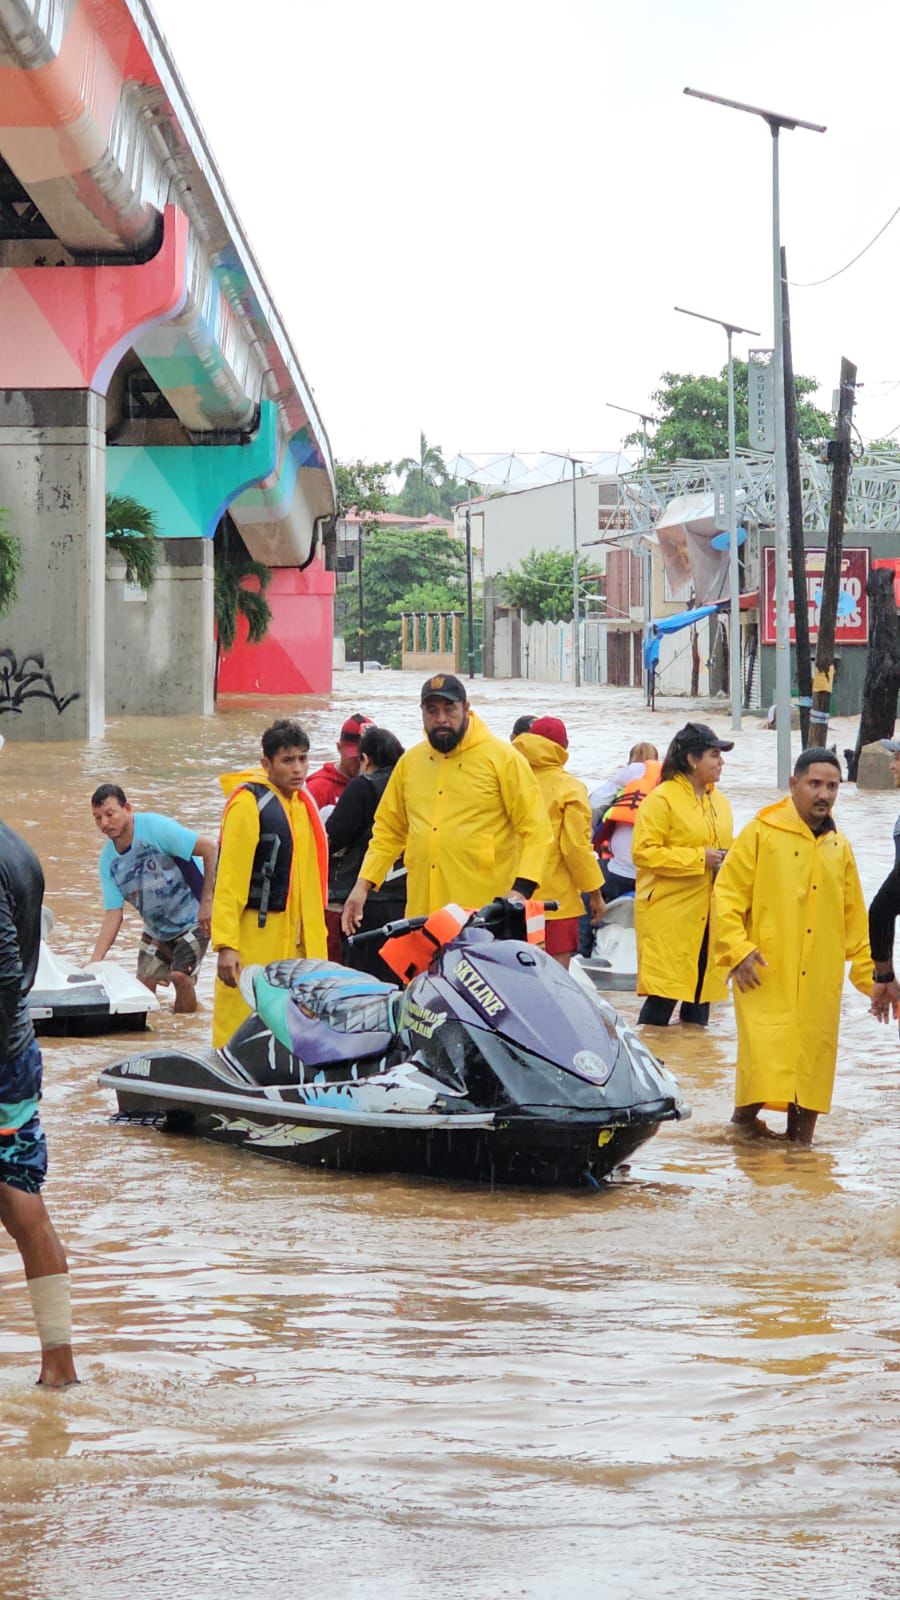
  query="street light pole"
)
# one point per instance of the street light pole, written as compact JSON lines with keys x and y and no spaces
{"x":776,"y":121}
{"x":576,"y":617}
{"x":470,"y":631}
{"x":734,"y":588}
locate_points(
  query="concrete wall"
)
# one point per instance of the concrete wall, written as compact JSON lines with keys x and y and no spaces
{"x":160,"y":655}
{"x":52,"y":485}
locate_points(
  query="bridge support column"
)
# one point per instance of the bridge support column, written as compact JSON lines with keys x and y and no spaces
{"x":160,"y":655}
{"x":296,"y":655}
{"x":160,"y":645}
{"x":52,"y":446}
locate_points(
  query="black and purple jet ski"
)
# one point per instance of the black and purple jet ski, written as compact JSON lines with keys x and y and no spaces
{"x":492,"y":1065}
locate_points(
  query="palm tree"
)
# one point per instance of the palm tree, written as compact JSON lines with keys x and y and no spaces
{"x":232,"y":566}
{"x":131,"y":530}
{"x":423,"y":477}
{"x":10,"y":565}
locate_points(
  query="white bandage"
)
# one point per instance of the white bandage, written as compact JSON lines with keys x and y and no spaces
{"x":51,"y":1302}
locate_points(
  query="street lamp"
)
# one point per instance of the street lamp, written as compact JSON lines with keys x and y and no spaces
{"x":734,"y":637}
{"x":776,"y":121}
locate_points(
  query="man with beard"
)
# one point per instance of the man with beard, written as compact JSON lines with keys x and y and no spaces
{"x":463,"y":808}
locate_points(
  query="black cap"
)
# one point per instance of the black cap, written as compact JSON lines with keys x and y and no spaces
{"x":697,"y":736}
{"x":443,"y":686}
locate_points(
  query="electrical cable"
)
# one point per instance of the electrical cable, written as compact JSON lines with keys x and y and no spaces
{"x":817,"y":282}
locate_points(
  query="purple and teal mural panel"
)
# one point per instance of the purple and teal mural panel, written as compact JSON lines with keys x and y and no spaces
{"x":190,"y":487}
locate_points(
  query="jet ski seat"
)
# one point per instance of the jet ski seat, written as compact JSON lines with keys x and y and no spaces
{"x":347,"y":1001}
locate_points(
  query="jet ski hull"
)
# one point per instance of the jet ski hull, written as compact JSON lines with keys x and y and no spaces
{"x":523,"y":1148}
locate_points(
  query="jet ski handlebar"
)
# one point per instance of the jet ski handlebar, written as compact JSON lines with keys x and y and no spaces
{"x":493,"y":916}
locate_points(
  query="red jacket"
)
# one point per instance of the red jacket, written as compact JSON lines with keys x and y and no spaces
{"x":326,"y":787}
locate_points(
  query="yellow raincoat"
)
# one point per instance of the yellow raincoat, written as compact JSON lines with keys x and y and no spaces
{"x":571,"y":866}
{"x":795,"y":896}
{"x":673,"y":829}
{"x":468,"y":823}
{"x":299,"y":930}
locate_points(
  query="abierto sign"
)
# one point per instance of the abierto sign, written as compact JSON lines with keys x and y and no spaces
{"x":853,"y":604}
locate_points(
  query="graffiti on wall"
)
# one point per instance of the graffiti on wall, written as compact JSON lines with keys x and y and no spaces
{"x":28,"y":679}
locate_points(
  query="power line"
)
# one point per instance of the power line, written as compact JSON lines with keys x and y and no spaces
{"x":817,"y":282}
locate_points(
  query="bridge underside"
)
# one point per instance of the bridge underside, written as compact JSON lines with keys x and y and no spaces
{"x":139,"y":355}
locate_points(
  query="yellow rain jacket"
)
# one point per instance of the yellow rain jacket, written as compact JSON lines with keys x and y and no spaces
{"x":299,"y":930}
{"x":795,"y":897}
{"x":468,"y":823}
{"x":571,"y":866}
{"x":672,"y":830}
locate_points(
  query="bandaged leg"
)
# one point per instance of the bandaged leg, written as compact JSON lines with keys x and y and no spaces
{"x":51,"y":1303}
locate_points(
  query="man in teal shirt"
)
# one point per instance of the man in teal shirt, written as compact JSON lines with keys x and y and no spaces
{"x":151,"y":863}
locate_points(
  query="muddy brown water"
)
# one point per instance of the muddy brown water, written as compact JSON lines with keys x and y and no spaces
{"x":305,"y":1382}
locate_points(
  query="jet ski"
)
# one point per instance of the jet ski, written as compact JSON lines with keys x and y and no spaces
{"x":612,"y":963}
{"x":492,"y":1065}
{"x":67,"y":999}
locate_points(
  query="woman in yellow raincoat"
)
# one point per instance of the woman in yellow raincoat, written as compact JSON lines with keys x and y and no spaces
{"x":272,"y":877}
{"x":788,"y":913}
{"x":571,"y":868}
{"x":681,"y":834}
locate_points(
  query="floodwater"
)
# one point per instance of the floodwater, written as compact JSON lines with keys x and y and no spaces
{"x":306,"y":1382}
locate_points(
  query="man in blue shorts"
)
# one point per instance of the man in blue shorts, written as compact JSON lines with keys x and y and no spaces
{"x":149,"y":861}
{"x":23,"y":1148}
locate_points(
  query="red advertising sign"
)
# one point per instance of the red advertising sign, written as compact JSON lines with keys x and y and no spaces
{"x":853,"y":603}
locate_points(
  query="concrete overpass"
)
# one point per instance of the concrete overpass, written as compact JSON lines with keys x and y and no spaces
{"x":140,"y":354}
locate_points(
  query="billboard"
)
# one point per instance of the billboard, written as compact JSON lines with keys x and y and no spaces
{"x":853,"y":604}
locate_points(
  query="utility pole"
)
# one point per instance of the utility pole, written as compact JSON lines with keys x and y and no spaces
{"x":361,"y":628}
{"x":576,"y":616}
{"x":734,"y":580}
{"x":795,"y":517}
{"x":841,"y":456}
{"x":775,"y":121}
{"x":470,"y":642}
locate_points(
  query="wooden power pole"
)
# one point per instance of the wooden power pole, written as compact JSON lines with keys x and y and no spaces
{"x":795,"y":517}
{"x":840,"y":455}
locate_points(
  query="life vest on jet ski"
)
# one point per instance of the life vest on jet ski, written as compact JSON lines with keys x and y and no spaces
{"x":625,"y":806}
{"x":412,"y":953}
{"x":273,"y":859}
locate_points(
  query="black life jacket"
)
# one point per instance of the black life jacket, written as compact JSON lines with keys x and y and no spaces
{"x":270,"y":878}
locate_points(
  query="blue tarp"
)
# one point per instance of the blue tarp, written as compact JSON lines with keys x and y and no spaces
{"x":683,"y":619}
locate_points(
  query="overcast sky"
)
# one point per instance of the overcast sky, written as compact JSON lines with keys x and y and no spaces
{"x":477,"y":218}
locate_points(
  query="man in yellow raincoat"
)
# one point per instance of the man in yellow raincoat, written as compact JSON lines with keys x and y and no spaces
{"x":463,"y":808}
{"x":571,"y":867}
{"x":273,"y":871}
{"x":788,"y":912}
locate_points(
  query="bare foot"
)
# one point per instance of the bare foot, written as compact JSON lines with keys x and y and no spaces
{"x":58,"y":1368}
{"x":754,"y":1128}
{"x":185,"y":993}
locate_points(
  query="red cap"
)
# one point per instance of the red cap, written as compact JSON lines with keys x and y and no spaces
{"x":551,"y":728}
{"x":354,"y":728}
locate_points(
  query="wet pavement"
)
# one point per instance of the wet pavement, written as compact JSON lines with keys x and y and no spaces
{"x":356,"y":1387}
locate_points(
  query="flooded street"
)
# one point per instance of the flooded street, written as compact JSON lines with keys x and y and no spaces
{"x":302,"y":1382}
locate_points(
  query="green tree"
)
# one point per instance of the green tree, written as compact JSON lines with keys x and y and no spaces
{"x":542,"y":585}
{"x":361,"y":487}
{"x":234,"y":564}
{"x":10,"y":565}
{"x":693,"y":416}
{"x":422,"y":478}
{"x":394,"y":561}
{"x":131,"y":531}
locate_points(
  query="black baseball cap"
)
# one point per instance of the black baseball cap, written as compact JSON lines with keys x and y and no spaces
{"x":443,"y":686}
{"x":697,"y":736}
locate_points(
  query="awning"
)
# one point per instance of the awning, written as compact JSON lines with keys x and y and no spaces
{"x":682,"y":619}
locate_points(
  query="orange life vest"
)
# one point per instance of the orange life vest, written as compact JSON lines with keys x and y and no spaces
{"x":625,"y":806}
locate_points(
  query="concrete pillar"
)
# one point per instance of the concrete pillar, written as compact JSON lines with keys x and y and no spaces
{"x":160,"y":654}
{"x":52,"y":446}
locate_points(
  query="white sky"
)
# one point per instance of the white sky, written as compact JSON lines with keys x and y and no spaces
{"x":477,"y":218}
